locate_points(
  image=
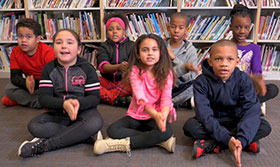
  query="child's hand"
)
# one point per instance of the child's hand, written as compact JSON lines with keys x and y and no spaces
{"x":30,"y":83}
{"x":171,"y":54}
{"x":259,"y":84}
{"x":161,"y":121}
{"x":191,"y":67}
{"x":123,"y":66}
{"x":71,"y":106}
{"x":235,"y":147}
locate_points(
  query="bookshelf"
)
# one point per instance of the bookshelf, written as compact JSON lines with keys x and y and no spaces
{"x":269,"y":39}
{"x":101,"y":7}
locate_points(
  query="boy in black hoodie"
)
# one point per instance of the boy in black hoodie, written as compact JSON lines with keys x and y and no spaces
{"x":226,"y":106}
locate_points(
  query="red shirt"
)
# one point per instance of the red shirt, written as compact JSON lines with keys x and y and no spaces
{"x":31,"y":65}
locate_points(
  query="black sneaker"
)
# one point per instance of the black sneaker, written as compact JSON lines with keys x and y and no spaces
{"x":32,"y":148}
{"x":202,"y":147}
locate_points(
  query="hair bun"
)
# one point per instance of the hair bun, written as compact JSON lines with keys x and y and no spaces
{"x":239,"y":8}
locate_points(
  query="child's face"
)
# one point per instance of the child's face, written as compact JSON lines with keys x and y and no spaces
{"x":27,"y":40}
{"x":223,"y":60}
{"x":149,"y":52}
{"x":115,"y":32}
{"x":66,"y":48}
{"x":178,"y":28}
{"x":240,"y":27}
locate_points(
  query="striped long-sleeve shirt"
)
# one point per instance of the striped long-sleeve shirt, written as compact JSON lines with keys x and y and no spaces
{"x":59,"y":83}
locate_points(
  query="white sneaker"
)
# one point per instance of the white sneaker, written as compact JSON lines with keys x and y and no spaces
{"x":263,"y":109}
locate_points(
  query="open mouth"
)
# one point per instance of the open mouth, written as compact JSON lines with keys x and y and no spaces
{"x":64,"y":53}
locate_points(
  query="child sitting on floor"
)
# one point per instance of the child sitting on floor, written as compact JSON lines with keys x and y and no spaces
{"x":227,"y":109}
{"x":151,"y":77}
{"x":28,"y":58}
{"x":112,"y":60}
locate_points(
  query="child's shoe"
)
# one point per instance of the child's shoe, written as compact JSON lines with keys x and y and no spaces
{"x":32,"y":148}
{"x":169,"y":144}
{"x":112,"y":145}
{"x":263,"y":109}
{"x":202,"y":147}
{"x":192,"y":102}
{"x":6,"y":101}
{"x":254,"y":147}
{"x":92,"y":139}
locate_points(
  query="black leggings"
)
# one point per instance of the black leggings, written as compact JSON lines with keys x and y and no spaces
{"x":61,"y":132}
{"x":195,"y":129}
{"x":142,"y":133}
{"x":271,"y":92}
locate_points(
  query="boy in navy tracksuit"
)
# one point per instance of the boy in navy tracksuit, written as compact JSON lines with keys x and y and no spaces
{"x":226,"y":106}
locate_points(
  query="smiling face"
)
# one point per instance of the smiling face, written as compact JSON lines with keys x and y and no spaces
{"x":115,"y":32}
{"x":27,"y":40}
{"x":240,"y":27}
{"x":223,"y":60}
{"x":178,"y":28}
{"x":66,"y":48}
{"x":149,"y":53}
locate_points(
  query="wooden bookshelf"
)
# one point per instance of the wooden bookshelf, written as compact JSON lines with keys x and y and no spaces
{"x":220,"y":9}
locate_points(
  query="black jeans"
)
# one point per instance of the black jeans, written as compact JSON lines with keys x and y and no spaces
{"x":61,"y":132}
{"x":271,"y":92}
{"x":195,"y":129}
{"x":142,"y":133}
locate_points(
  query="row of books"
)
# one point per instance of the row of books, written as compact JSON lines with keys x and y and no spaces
{"x":10,"y":4}
{"x":248,"y":3}
{"x":202,"y":54}
{"x":85,"y":25}
{"x":5,"y":52}
{"x":271,"y":3}
{"x":151,"y":23}
{"x":269,"y":28}
{"x":208,"y":28}
{"x":89,"y":52}
{"x":63,"y":3}
{"x":270,"y":58}
{"x":133,"y":3}
{"x":199,"y":3}
{"x":8,"y":26}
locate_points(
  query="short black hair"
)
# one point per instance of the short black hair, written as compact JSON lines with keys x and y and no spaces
{"x":240,"y":10}
{"x":223,"y":42}
{"x":179,"y":15}
{"x":31,"y":24}
{"x":115,"y":14}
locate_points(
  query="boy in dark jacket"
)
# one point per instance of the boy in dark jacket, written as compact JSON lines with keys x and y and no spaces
{"x":226,"y":106}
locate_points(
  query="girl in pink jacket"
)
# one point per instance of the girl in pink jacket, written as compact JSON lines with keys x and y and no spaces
{"x":150,"y":77}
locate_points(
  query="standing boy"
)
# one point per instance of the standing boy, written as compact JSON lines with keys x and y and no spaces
{"x":184,"y":58}
{"x":28,"y":59}
{"x":226,"y":106}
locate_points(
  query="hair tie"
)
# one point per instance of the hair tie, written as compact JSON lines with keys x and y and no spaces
{"x":116,"y":19}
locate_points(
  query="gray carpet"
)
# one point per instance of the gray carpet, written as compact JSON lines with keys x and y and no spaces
{"x":13,"y":132}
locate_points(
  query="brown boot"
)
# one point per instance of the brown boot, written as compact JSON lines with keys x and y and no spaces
{"x":112,"y":145}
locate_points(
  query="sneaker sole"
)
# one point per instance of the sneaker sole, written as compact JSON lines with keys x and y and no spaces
{"x":25,"y":142}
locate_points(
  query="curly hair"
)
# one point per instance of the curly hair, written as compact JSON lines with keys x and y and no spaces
{"x":31,"y":24}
